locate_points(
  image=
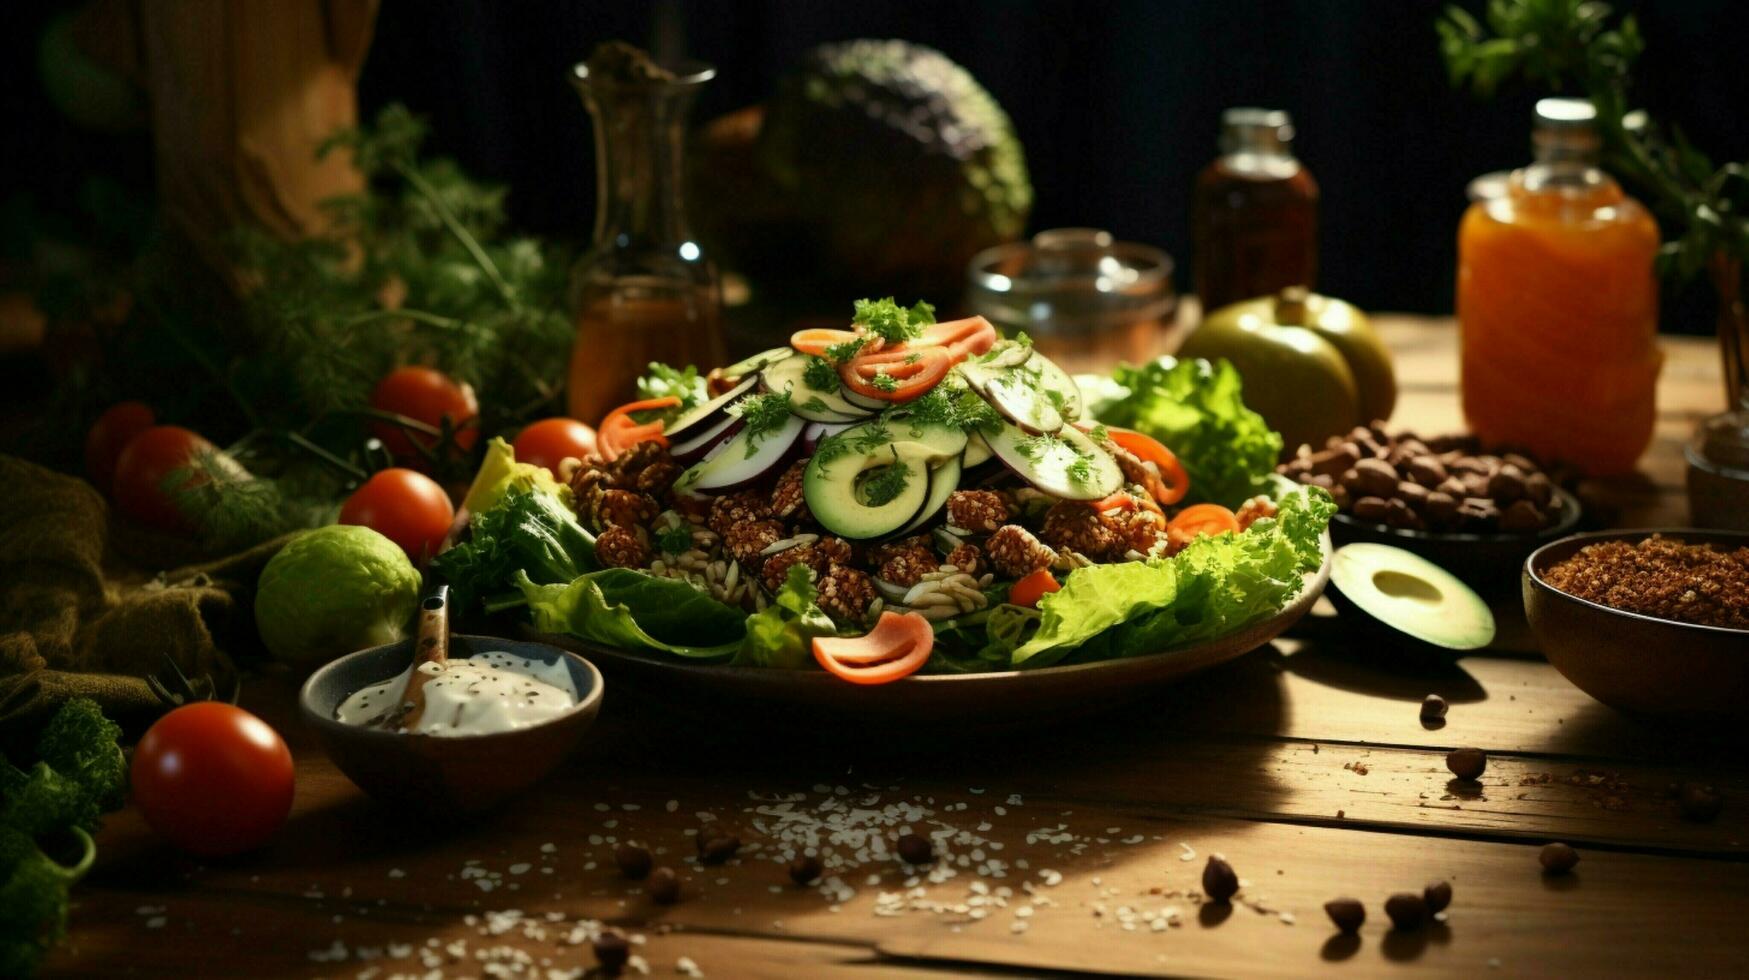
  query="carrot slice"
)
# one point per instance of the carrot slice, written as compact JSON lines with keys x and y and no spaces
{"x":1203,"y":519}
{"x":910,"y":378}
{"x":1029,"y":590}
{"x":618,"y":431}
{"x":897,"y":647}
{"x":1174,"y":482}
{"x":815,"y":340}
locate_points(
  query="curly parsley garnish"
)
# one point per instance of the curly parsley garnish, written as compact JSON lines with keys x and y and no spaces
{"x":884,"y":381}
{"x":820,"y":375}
{"x":676,"y":540}
{"x":891,"y":322}
{"x":886,"y":485}
{"x":841,"y":353}
{"x":762,"y":415}
{"x":1081,"y":470}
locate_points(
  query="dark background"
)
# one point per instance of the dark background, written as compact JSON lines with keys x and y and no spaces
{"x":1117,"y":104}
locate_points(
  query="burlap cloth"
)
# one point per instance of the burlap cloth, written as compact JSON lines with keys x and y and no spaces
{"x":91,"y":606}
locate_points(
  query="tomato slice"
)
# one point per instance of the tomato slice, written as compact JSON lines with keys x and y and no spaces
{"x":914,"y":372}
{"x":1174,"y":482}
{"x":618,"y":431}
{"x":1029,"y":590}
{"x":1203,"y":519}
{"x":895,"y":648}
{"x":816,"y":340}
{"x":962,"y":338}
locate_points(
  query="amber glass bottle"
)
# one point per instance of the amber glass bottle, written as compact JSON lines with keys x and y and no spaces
{"x":1255,"y":213}
{"x":1557,"y":300}
{"x":644,"y":291}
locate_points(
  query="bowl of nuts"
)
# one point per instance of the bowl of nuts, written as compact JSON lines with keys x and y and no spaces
{"x":1475,"y":513}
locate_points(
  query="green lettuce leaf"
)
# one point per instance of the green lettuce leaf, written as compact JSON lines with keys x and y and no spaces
{"x":1194,"y":408}
{"x":781,"y":635}
{"x":630,"y":610}
{"x":528,"y":530}
{"x":1216,"y":585}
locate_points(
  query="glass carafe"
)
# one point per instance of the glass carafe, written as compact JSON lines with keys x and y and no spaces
{"x":644,"y":291}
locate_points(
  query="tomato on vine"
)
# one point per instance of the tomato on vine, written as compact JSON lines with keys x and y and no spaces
{"x":426,"y":396}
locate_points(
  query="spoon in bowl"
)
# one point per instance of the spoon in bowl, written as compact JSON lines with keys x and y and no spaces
{"x":431,"y":647}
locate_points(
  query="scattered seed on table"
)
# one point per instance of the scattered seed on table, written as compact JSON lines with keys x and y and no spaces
{"x":916,"y":849}
{"x":1467,"y":763}
{"x":1347,"y":913}
{"x":1219,"y":881}
{"x":806,"y":870}
{"x":718,"y":849}
{"x":1433,"y":708}
{"x":1558,"y":858}
{"x":1438,"y":896}
{"x":1407,"y":910}
{"x":664,"y":886}
{"x":612,"y":951}
{"x":1700,"y":802}
{"x":634,"y":862}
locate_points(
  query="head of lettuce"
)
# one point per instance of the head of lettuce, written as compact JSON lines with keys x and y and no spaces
{"x":332,"y":591}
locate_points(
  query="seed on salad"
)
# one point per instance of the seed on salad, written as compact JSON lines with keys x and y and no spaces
{"x":1219,"y":881}
{"x":1467,"y":763}
{"x":718,"y":849}
{"x":1557,"y":858}
{"x":916,"y":849}
{"x":612,"y":951}
{"x":806,"y":869}
{"x":634,"y":861}
{"x":1347,"y":913}
{"x":664,"y":886}
{"x":1407,"y":910}
{"x":1700,"y":802}
{"x":1433,"y":708}
{"x":1438,"y":896}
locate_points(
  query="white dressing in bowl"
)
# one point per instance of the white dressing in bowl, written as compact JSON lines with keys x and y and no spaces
{"x":484,"y":694}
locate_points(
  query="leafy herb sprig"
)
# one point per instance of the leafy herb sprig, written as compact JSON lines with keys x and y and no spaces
{"x":1579,"y":45}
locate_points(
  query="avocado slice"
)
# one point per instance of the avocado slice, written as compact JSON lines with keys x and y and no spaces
{"x":866,"y":495}
{"x":1412,"y":595}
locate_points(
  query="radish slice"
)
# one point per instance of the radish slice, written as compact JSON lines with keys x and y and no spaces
{"x":744,"y":459}
{"x":683,"y":426}
{"x":817,"y":431}
{"x":697,"y":447}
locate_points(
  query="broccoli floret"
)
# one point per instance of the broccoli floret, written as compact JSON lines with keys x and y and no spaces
{"x":81,"y":745}
{"x":81,"y":774}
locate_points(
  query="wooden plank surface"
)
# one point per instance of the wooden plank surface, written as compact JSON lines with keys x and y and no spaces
{"x":1305,"y":763}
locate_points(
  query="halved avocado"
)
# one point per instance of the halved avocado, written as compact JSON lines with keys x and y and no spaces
{"x":839,"y":490}
{"x":1412,"y":595}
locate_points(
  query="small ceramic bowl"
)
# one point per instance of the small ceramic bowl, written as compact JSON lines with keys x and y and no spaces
{"x":1488,"y":563}
{"x":1634,"y":662}
{"x":465,"y":774}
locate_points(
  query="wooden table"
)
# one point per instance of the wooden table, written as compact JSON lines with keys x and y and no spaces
{"x":1305,"y":764}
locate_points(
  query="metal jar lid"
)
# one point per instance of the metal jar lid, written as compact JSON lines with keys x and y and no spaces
{"x":1071,"y":281}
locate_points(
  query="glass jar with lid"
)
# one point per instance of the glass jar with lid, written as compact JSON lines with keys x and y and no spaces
{"x":1083,"y":297}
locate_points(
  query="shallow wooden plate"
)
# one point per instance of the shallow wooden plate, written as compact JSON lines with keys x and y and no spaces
{"x":996,"y":698}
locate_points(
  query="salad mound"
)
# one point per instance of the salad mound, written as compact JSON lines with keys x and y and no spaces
{"x":907,"y":495}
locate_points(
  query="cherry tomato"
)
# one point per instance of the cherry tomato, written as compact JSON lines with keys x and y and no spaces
{"x":408,"y":508}
{"x":549,"y":441}
{"x":110,"y":434}
{"x":428,"y":396}
{"x":142,"y":468}
{"x":213,"y":779}
{"x":897,"y":647}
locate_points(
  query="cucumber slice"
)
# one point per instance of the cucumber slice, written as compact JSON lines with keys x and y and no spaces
{"x":837,"y":488}
{"x":815,"y":406}
{"x":942,"y":441}
{"x":1067,"y":465}
{"x":1071,"y":404}
{"x":943,"y":481}
{"x":1034,"y":394}
{"x":977,"y":451}
{"x":741,"y":369}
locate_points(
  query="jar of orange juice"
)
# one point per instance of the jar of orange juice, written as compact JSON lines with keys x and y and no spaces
{"x":1557,"y":302}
